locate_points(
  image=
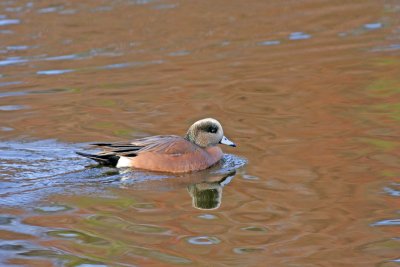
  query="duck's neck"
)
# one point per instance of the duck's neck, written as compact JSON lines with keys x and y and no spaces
{"x":190,"y":136}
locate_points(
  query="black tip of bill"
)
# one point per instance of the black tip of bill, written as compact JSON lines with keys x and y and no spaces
{"x":227,"y":142}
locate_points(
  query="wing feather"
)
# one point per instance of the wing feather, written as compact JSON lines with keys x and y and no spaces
{"x":160,"y":144}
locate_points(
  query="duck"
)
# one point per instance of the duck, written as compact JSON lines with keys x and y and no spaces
{"x":196,"y":151}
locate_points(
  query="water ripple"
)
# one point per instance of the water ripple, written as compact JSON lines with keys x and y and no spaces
{"x":390,"y":222}
{"x":373,"y":26}
{"x":393,"y":190}
{"x":12,"y":61}
{"x":203,"y":240}
{"x":4,"y":22}
{"x":53,"y":72}
{"x":269,"y":43}
{"x":32,"y":170}
{"x":17,"y":47}
{"x":12,"y":107}
{"x":299,"y":36}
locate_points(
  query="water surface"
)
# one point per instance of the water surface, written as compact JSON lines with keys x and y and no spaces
{"x":309,"y":90}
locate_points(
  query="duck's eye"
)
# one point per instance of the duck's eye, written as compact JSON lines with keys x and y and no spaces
{"x":212,"y":129}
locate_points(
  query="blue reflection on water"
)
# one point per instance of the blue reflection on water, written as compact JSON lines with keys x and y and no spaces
{"x":387,"y":223}
{"x":4,"y":22}
{"x":53,"y":72}
{"x":299,"y":36}
{"x":30,"y":171}
{"x":12,"y":60}
{"x":373,"y":26}
{"x":270,"y":42}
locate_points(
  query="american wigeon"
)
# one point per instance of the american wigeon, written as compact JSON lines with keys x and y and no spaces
{"x":196,"y":151}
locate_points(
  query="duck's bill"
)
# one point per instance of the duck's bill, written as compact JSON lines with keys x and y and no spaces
{"x":227,"y":142}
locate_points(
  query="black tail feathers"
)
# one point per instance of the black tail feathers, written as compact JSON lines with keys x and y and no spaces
{"x":105,"y":159}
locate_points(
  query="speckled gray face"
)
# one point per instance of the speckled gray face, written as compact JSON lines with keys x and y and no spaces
{"x":207,"y":132}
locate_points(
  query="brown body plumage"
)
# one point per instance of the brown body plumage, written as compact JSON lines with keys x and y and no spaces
{"x":198,"y":150}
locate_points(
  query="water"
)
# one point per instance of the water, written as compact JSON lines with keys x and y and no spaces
{"x":309,"y":91}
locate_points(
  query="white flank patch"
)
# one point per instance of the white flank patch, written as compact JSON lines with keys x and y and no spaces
{"x":124,"y":162}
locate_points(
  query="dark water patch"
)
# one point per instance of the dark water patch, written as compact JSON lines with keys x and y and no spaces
{"x":4,"y":220}
{"x":254,"y":229}
{"x":246,"y":250}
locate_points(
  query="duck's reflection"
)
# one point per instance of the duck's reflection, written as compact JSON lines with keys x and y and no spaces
{"x":204,"y":187}
{"x":208,"y":195}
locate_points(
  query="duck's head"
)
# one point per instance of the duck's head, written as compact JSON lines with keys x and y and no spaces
{"x":207,"y":132}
